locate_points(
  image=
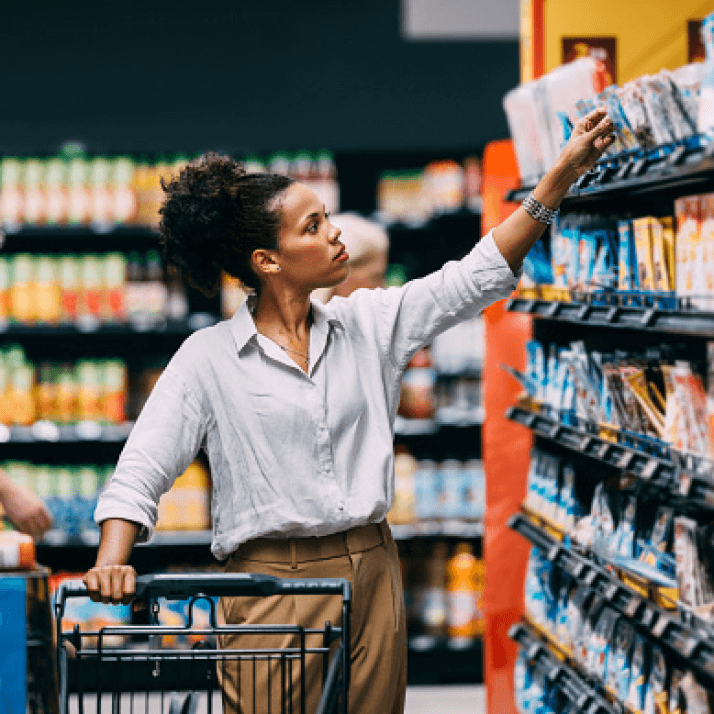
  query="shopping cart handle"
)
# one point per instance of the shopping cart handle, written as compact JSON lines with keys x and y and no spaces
{"x":181,"y":586}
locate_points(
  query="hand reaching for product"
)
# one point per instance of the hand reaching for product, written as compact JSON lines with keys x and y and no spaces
{"x":115,"y":584}
{"x":591,"y":137}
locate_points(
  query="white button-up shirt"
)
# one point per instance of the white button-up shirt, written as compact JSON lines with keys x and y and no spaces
{"x":294,"y":453}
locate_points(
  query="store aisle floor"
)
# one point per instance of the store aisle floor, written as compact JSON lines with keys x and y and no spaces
{"x":456,"y":699}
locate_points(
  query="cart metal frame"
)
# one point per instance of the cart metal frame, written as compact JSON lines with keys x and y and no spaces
{"x":156,"y":673}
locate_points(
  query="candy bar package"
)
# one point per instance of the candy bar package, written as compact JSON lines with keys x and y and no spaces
{"x":628,"y":278}
{"x":657,"y":697}
{"x":568,"y":505}
{"x":667,"y":223}
{"x":705,"y":282}
{"x":617,"y":678}
{"x":536,"y":367}
{"x":639,"y":675}
{"x":659,"y":256}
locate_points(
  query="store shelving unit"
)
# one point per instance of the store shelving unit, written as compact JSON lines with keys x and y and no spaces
{"x":682,"y":633}
{"x":636,"y":182}
{"x":559,"y":674}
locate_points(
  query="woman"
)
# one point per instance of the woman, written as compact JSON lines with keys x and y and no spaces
{"x":294,"y":402}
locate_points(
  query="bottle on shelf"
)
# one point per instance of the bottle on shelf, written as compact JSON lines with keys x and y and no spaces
{"x":134,"y":287}
{"x":431,"y":597}
{"x":176,"y":298}
{"x":156,"y":294}
{"x":465,"y":589}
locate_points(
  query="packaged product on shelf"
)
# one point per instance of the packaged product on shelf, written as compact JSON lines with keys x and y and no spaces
{"x":643,"y":248}
{"x":79,"y":197}
{"x":639,"y":675}
{"x":694,"y":578}
{"x":624,"y":536}
{"x":449,"y":497}
{"x":17,"y":551}
{"x":536,"y":367}
{"x":69,"y":287}
{"x":698,"y":699}
{"x":47,"y":291}
{"x":586,"y":261}
{"x":657,"y":698}
{"x":403,"y":505}
{"x":418,"y":394}
{"x":617,"y":679}
{"x":628,"y":275}
{"x":707,"y":249}
{"x":113,"y":302}
{"x":601,"y":648}
{"x":687,"y":212}
{"x":465,"y":589}
{"x":659,"y":257}
{"x":705,"y":116}
{"x":11,"y":194}
{"x":22,"y":289}
{"x":430,"y":595}
{"x":688,"y":419}
{"x":562,"y":626}
{"x":425,"y":489}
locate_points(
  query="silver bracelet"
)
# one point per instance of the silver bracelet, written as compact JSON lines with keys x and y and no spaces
{"x":536,"y":210}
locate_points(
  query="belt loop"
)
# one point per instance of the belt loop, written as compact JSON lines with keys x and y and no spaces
{"x":293,"y":554}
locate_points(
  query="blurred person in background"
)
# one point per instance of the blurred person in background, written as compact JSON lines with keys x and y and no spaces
{"x":23,"y":509}
{"x":294,"y":402}
{"x":367,"y":243}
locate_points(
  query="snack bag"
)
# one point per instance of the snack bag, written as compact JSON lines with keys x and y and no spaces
{"x":639,"y":675}
{"x":617,"y":680}
{"x":706,"y":237}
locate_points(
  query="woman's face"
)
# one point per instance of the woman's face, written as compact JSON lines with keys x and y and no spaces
{"x":309,"y":253}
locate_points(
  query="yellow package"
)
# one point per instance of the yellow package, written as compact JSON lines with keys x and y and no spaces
{"x":643,"y":249}
{"x":670,"y":250}
{"x":659,"y":256}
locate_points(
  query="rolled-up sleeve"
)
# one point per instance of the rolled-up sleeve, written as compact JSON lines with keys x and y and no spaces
{"x":411,"y":316}
{"x":164,"y":441}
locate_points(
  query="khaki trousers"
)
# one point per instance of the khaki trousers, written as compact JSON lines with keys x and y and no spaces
{"x":365,"y":556}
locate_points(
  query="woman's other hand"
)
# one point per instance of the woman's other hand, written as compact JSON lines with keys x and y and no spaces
{"x":115,"y":584}
{"x":25,"y":510}
{"x":591,"y":137}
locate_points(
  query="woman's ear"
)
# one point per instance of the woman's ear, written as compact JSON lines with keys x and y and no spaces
{"x":263,"y":262}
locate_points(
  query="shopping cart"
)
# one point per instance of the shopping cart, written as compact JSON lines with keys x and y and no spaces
{"x":141,"y":669}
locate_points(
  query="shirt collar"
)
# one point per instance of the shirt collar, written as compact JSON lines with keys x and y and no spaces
{"x":243,"y":327}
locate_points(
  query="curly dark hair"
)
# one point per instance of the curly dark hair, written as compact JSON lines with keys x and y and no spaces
{"x":214,"y":216}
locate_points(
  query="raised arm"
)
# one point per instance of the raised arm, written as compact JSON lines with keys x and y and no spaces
{"x":591,"y":136}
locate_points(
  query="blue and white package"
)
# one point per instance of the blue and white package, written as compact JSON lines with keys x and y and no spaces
{"x":534,"y":597}
{"x":570,"y":509}
{"x":617,"y":677}
{"x":639,"y":675}
{"x":573,"y":269}
{"x":628,"y":277}
{"x":536,"y":367}
{"x":625,"y":534}
{"x":586,"y":261}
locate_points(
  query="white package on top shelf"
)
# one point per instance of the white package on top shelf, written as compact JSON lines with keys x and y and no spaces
{"x":535,"y":112}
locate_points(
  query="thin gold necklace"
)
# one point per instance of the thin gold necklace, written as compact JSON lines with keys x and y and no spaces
{"x":287,"y":349}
